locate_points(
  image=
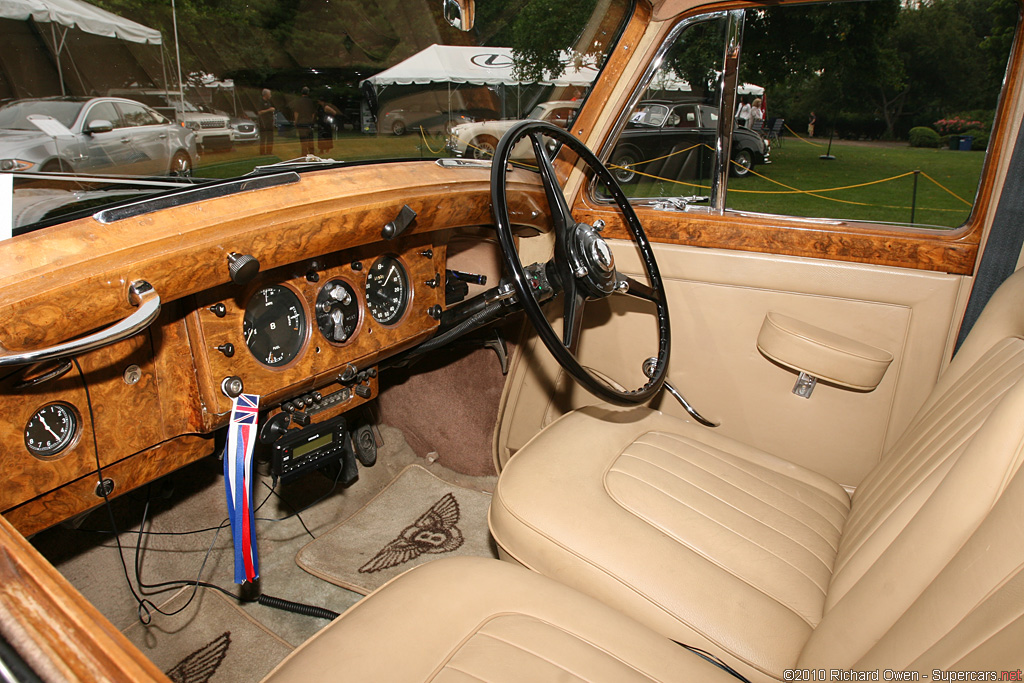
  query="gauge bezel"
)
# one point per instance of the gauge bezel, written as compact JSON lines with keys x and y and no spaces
{"x":306,"y":329}
{"x":72,"y":440}
{"x":407,"y":301}
{"x":359,"y":297}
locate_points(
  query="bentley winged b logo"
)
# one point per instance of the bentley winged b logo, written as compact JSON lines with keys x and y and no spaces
{"x":433,"y":532}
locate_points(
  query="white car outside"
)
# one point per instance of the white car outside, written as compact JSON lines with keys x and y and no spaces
{"x":477,"y":140}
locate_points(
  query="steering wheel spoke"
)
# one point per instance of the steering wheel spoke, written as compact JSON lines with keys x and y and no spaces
{"x":561,"y":214}
{"x":572,"y":318}
{"x":637,"y":289}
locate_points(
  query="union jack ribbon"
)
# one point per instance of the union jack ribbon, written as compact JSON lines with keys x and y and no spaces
{"x":238,"y":483}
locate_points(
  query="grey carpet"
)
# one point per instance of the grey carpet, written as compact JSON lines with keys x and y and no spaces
{"x":417,"y":518}
{"x":193,"y":499}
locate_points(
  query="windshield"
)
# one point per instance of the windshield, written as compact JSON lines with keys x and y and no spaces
{"x":14,"y":116}
{"x":271,"y":82}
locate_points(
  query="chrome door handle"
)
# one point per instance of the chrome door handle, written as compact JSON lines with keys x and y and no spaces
{"x":140,"y":294}
{"x":125,"y":141}
{"x":650,"y":367}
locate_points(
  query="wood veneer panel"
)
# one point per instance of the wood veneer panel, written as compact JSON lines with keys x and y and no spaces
{"x":72,"y":278}
{"x":79,"y":496}
{"x":919,"y":249}
{"x":56,"y":630}
{"x":126,"y":419}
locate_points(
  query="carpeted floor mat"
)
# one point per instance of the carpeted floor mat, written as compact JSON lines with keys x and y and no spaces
{"x":417,"y":518}
{"x":219,"y":646}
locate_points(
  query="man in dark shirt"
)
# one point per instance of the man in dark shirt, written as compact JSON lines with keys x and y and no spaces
{"x":266,"y":120}
{"x":305,"y":113}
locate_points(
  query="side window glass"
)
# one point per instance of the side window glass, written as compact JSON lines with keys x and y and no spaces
{"x":103,"y":111}
{"x":136,"y":115}
{"x":874,"y":111}
{"x":667,"y":148}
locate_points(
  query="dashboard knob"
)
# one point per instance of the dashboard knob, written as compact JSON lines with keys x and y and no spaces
{"x":242,"y":268}
{"x":232,"y":386}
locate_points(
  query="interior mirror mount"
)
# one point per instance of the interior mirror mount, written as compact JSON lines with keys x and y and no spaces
{"x":460,"y":13}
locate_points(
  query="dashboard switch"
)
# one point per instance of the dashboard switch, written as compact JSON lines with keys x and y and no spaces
{"x":363,"y":390}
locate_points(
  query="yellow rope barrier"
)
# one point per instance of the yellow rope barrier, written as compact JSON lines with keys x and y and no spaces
{"x":801,"y":139}
{"x":946,"y":188}
{"x":424,"y":136}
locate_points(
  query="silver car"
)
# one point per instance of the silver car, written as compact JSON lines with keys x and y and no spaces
{"x":94,"y":135}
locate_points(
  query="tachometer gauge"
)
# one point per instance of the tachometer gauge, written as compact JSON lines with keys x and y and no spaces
{"x":337,"y":311}
{"x":51,"y":429}
{"x":274,"y":325}
{"x":387,"y":290}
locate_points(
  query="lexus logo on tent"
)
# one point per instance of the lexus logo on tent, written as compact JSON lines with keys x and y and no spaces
{"x":491,"y":61}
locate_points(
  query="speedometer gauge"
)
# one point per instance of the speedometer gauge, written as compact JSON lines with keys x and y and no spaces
{"x":274,"y":325}
{"x":387,"y":290}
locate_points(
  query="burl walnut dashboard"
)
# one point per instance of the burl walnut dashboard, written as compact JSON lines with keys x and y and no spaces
{"x":314,"y":328}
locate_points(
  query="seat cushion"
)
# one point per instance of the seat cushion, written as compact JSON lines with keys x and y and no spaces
{"x":707,"y":540}
{"x":472,"y":619}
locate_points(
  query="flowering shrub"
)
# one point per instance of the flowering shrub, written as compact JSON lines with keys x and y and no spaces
{"x":956,"y":124}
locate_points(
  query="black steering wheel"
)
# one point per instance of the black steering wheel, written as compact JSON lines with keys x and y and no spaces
{"x":583,"y":265}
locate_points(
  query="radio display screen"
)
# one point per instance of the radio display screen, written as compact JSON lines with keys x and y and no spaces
{"x":313,"y":445}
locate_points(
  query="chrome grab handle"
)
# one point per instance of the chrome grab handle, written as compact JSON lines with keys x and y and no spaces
{"x":140,"y":294}
{"x":649,"y":367}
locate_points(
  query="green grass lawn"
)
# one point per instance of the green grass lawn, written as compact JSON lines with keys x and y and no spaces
{"x":348,"y":146}
{"x":824,"y":185}
{"x":796,"y":164}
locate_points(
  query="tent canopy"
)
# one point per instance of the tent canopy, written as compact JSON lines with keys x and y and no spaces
{"x":80,"y":15}
{"x":471,"y":65}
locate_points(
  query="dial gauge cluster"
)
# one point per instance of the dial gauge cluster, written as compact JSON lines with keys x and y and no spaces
{"x":387,"y":290}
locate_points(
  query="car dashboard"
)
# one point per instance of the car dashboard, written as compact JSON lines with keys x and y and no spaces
{"x":332,"y":298}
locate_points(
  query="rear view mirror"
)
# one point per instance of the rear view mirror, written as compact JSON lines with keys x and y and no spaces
{"x":460,"y":13}
{"x":99,"y":126}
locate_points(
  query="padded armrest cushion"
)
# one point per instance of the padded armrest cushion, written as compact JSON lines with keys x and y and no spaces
{"x":826,"y":355}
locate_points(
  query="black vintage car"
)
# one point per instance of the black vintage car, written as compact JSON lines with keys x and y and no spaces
{"x":676,"y":141}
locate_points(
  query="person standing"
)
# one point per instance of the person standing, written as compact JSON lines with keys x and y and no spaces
{"x":265,"y":116}
{"x":325,"y":113}
{"x":305,"y":114}
{"x":743,"y":113}
{"x":810,"y":125}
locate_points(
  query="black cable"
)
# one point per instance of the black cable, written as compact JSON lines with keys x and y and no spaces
{"x":146,"y":606}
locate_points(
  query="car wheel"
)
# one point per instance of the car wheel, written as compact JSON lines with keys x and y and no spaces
{"x":398,"y":127}
{"x":181,"y":165}
{"x":482,"y":147}
{"x":622,"y":166}
{"x":55,"y":166}
{"x":742,"y":162}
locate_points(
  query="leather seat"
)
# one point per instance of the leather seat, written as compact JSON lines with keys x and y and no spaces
{"x":772,"y":567}
{"x":471,"y":619}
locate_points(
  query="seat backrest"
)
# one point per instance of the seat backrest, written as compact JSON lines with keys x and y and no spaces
{"x":932,"y":551}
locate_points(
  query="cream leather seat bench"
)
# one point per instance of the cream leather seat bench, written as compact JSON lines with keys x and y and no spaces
{"x":772,"y":567}
{"x":472,"y":619}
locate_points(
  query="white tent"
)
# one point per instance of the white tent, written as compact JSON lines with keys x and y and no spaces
{"x":63,"y":15}
{"x":471,"y":65}
{"x":80,"y":15}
